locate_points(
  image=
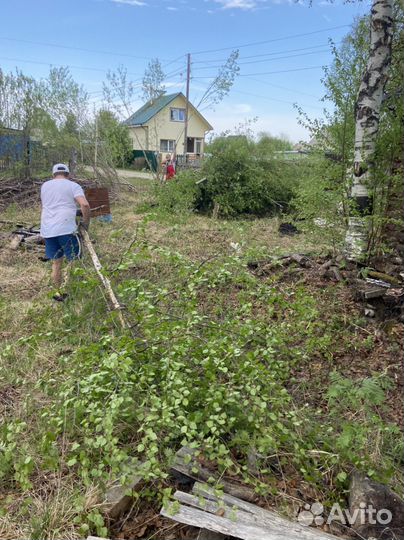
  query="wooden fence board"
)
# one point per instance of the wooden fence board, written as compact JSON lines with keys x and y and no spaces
{"x":229,"y":515}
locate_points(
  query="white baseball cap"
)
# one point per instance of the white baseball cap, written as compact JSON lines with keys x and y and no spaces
{"x":60,"y":168}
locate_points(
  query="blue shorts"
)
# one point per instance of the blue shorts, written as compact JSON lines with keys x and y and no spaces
{"x":67,"y":245}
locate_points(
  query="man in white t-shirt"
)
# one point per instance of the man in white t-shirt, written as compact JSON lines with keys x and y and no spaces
{"x":60,"y":198}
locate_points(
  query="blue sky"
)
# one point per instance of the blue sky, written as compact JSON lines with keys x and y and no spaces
{"x":282,"y":45}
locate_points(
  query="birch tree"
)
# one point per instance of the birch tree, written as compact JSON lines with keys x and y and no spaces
{"x":367,"y":118}
{"x":153,"y":79}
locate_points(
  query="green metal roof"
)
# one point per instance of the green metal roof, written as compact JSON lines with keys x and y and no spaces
{"x":150,"y":109}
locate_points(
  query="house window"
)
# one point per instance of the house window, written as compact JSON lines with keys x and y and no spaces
{"x":167,"y":145}
{"x":198,"y":146}
{"x":177,"y":115}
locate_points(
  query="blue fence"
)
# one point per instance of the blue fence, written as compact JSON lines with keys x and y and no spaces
{"x":14,"y":148}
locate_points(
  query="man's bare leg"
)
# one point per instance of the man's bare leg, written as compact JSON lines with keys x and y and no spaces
{"x":57,"y":272}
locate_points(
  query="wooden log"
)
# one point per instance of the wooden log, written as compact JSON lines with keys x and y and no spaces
{"x":336,"y":272}
{"x":118,"y":499}
{"x":384,"y":277}
{"x":104,"y":280}
{"x":324,"y":267}
{"x":377,"y":292}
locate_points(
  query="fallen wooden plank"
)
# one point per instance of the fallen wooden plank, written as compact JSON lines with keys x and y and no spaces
{"x":240,"y":519}
{"x":211,"y":522}
{"x":186,"y":464}
{"x":247,"y":508}
{"x":218,"y":508}
{"x":248,"y":512}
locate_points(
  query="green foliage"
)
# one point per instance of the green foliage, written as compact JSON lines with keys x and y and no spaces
{"x":318,"y":203}
{"x":365,"y":393}
{"x":243,"y":180}
{"x":180,"y":194}
{"x":323,"y":189}
{"x":333,"y":137}
{"x":115,"y":136}
{"x":215,"y":359}
{"x":203,"y":368}
{"x":220,"y":86}
{"x":267,"y":144}
{"x":49,"y":112}
{"x":238,"y":176}
{"x":153,"y":79}
{"x":26,"y":100}
{"x":354,"y":405}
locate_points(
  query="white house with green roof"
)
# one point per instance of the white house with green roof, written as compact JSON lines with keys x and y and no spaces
{"x":160,"y":124}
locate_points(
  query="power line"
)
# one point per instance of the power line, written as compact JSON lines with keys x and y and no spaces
{"x":295,"y":91}
{"x":45,"y":44}
{"x":176,"y":72}
{"x":101,"y":99}
{"x":37,"y":62}
{"x":274,"y":99}
{"x":166,"y":78}
{"x":272,"y":40}
{"x":264,"y":54}
{"x":57,"y":65}
{"x":266,"y":72}
{"x":182,"y":56}
{"x":269,"y":59}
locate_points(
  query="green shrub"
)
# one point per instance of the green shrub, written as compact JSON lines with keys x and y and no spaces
{"x":179,"y":194}
{"x":319,"y":201}
{"x":243,"y":180}
{"x":237,"y":176}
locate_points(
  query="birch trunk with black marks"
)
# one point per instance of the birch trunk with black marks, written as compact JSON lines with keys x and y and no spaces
{"x":368,"y":106}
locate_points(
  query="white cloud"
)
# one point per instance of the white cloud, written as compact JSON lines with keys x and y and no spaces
{"x":237,"y":4}
{"x":171,"y":8}
{"x":137,"y":3}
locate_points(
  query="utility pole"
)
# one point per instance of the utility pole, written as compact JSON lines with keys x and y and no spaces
{"x":187,"y":106}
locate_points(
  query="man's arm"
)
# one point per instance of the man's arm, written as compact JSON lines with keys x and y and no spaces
{"x":85,"y":210}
